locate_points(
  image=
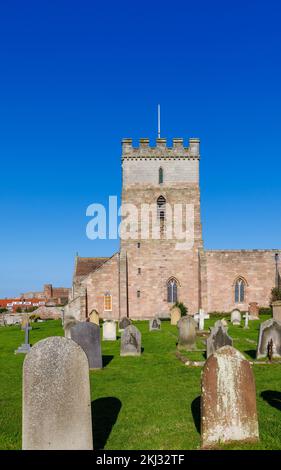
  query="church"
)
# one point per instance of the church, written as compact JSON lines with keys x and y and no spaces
{"x":149,"y":274}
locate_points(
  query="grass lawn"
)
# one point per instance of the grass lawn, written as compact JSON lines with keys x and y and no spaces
{"x":147,"y":402}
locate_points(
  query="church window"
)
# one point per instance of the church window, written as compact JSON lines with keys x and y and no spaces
{"x":240,"y":288}
{"x":161,"y":175}
{"x":161,"y":211}
{"x":138,"y":293}
{"x":139,"y":270}
{"x":172,"y":291}
{"x":138,"y":244}
{"x":107,"y":302}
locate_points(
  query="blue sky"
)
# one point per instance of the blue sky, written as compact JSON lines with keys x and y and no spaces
{"x":77,"y":77}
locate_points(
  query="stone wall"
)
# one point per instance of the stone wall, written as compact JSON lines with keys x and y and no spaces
{"x":256,"y":267}
{"x":104,"y":279}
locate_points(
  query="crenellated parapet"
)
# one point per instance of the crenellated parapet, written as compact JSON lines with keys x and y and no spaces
{"x":177,"y":150}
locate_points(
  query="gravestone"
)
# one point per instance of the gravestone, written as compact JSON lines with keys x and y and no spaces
{"x":56,"y":397}
{"x":254,"y":311}
{"x":246,"y":316}
{"x":201,"y":320}
{"x":94,"y":317}
{"x":269,"y":330}
{"x":130,"y":342}
{"x":124,"y":322}
{"x":276,"y":308}
{"x":25,"y":347}
{"x":155,"y":324}
{"x":175,"y":315}
{"x":187,"y":333}
{"x":235,"y":317}
{"x":109,"y":330}
{"x":87,"y":335}
{"x":224,"y":322}
{"x":218,"y":338}
{"x":228,"y":399}
{"x":68,"y":323}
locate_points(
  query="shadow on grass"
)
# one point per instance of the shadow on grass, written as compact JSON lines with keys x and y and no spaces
{"x":106,"y":360}
{"x":105,"y":412}
{"x":251,"y":352}
{"x":195,"y":409}
{"x":273,"y":398}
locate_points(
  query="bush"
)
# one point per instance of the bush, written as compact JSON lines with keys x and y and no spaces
{"x":182,"y":307}
{"x":3,"y":310}
{"x":265,"y":311}
{"x":275,"y":294}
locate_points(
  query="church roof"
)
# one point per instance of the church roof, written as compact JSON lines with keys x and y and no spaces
{"x":85,"y":266}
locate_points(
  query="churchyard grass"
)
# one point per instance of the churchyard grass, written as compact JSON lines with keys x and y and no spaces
{"x":147,"y":402}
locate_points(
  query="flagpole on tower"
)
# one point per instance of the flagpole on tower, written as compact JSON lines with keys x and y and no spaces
{"x":159,"y":116}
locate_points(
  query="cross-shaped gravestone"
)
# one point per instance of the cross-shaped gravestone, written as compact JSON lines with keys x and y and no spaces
{"x":201,"y":319}
{"x":25,"y":348}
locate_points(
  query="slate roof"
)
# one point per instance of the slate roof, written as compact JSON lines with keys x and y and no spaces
{"x":85,"y":266}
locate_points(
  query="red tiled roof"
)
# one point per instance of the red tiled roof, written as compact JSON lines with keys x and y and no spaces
{"x":85,"y":266}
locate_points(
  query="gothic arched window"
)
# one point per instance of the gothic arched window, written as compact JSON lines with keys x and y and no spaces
{"x":172,"y":291}
{"x":161,"y":175}
{"x":161,"y":207}
{"x":240,"y":288}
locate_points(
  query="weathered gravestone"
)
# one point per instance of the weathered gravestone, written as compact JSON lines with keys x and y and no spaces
{"x":124,"y":322}
{"x":87,"y":335}
{"x":235,"y":317}
{"x":269,"y":330}
{"x":56,"y":397}
{"x":155,"y":324}
{"x":254,"y":311}
{"x":109,"y":330}
{"x":25,"y":347}
{"x":228,"y":399}
{"x":276,"y":308}
{"x":175,"y":315}
{"x":218,"y":338}
{"x":94,"y":317}
{"x":130,"y":342}
{"x":68,"y":323}
{"x":246,"y":316}
{"x":187,"y":333}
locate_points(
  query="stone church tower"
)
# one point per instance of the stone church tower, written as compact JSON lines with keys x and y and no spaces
{"x":153,"y":272}
{"x":149,"y":274}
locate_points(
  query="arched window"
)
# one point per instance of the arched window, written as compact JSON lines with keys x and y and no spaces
{"x":240,"y":288}
{"x":161,"y":175}
{"x":161,"y":207}
{"x":107,"y":302}
{"x":172,"y":291}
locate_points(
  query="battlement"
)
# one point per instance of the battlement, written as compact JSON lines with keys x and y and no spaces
{"x":161,"y":149}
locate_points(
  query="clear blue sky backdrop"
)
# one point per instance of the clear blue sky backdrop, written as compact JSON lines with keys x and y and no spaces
{"x":78,"y":76}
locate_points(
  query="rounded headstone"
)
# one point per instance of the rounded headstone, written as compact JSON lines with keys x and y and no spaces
{"x":269,"y":330}
{"x":124,"y":322}
{"x":236,"y":317}
{"x":155,"y":324}
{"x":228,"y":400}
{"x":56,"y":397}
{"x":175,"y":315}
{"x":218,"y":338}
{"x":187,"y":333}
{"x":87,"y":335}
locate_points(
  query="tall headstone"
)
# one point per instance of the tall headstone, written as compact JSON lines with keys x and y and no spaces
{"x":269,"y":330}
{"x":228,"y":399}
{"x":155,"y":324}
{"x":246,"y":325}
{"x":218,"y":338}
{"x":56,"y":397}
{"x":124,"y":322}
{"x":175,"y":315}
{"x":254,"y":311}
{"x":130,"y":342}
{"x":87,"y":335}
{"x":236,"y":317}
{"x":109,"y":330}
{"x":94,"y":317}
{"x":187,"y":333}
{"x":276,"y":308}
